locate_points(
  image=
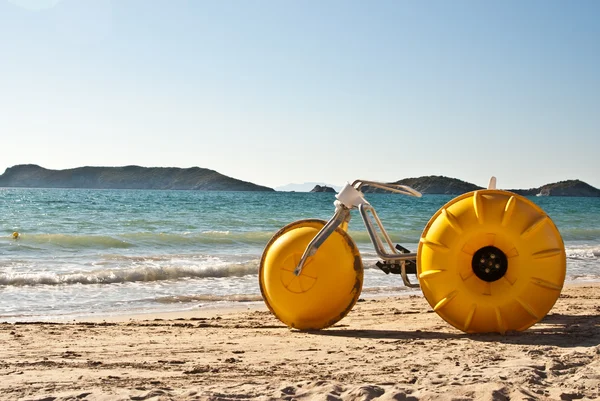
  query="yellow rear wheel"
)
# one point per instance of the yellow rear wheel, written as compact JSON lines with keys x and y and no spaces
{"x":491,"y":261}
{"x":328,"y":286}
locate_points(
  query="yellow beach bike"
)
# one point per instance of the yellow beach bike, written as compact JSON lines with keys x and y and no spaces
{"x":487,"y":261}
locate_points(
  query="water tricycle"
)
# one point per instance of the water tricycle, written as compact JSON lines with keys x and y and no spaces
{"x":487,"y":261}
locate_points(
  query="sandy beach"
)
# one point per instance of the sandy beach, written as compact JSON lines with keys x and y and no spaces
{"x":393,"y":348}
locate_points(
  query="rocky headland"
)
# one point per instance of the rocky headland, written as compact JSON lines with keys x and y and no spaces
{"x":433,"y":184}
{"x":128,"y":177}
{"x":562,"y":188}
{"x":441,"y":185}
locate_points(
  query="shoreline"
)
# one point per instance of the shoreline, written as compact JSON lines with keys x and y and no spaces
{"x":214,"y":308}
{"x":211,"y":310}
{"x":392,"y":347}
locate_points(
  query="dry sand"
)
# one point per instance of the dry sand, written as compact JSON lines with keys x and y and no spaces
{"x":386,"y":349}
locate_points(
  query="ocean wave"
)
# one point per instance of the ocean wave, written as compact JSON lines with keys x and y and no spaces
{"x":580,"y":234}
{"x":129,"y":275}
{"x":587,"y":278}
{"x":583,"y":252}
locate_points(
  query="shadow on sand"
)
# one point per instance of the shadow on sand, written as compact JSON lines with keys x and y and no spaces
{"x":555,"y":329}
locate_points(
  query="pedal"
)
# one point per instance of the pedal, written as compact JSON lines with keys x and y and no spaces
{"x":390,"y":267}
{"x":410,"y":265}
{"x":402,"y":249}
{"x":396,"y":267}
{"x":383,"y":266}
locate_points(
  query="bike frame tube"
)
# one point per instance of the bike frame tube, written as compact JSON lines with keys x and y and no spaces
{"x":341,"y":215}
{"x":377,"y":244}
{"x":395,"y":256}
{"x":353,"y":197}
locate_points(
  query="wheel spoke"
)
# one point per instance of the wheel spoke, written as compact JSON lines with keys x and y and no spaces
{"x":469,"y":318}
{"x":453,"y":221}
{"x":536,"y":225}
{"x":546,"y":284}
{"x":478,"y":206}
{"x":444,"y":301}
{"x":528,"y":308}
{"x":500,"y":321}
{"x":508,"y":211}
{"x":430,"y":273}
{"x":548,"y":253}
{"x":434,"y":245}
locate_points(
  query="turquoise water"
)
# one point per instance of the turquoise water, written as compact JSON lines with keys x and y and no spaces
{"x":105,"y":252}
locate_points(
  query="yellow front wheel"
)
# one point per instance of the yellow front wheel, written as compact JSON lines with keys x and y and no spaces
{"x":491,"y":261}
{"x":328,"y":286}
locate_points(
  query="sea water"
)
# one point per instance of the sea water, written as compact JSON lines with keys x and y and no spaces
{"x":87,"y":253}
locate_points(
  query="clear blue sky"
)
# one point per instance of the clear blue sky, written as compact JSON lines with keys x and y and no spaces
{"x":275,"y":92}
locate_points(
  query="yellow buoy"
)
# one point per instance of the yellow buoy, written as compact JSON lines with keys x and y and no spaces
{"x":15,"y":235}
{"x":491,"y":261}
{"x":326,"y":289}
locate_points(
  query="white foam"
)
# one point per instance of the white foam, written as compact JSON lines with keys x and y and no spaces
{"x":147,"y":272}
{"x":583,"y":252}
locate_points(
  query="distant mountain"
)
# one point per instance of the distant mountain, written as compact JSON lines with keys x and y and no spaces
{"x":434,"y":184}
{"x":452,"y":186}
{"x":305,"y":187}
{"x":562,"y":188}
{"x":201,"y":179}
{"x":128,"y":177}
{"x":323,"y":188}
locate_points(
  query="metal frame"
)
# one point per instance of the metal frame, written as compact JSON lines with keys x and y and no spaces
{"x":350,"y":197}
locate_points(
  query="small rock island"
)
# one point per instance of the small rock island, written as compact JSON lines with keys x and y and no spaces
{"x":322,"y":188}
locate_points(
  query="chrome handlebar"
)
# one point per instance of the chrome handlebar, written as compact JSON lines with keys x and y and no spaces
{"x":397,"y":188}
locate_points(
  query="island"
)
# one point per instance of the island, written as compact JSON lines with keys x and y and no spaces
{"x":434,"y":184}
{"x":441,"y":185}
{"x":127,"y":177}
{"x":562,"y":188}
{"x":323,"y":188}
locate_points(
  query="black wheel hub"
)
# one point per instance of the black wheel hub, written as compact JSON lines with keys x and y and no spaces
{"x":489,"y":264}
